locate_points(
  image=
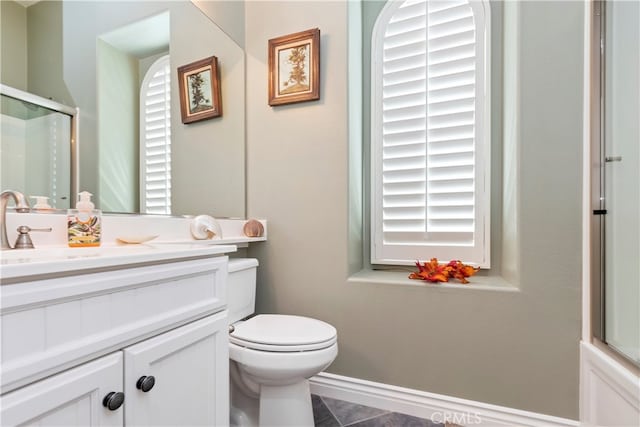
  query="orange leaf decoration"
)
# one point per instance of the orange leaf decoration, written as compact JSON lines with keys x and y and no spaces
{"x":433,"y":272}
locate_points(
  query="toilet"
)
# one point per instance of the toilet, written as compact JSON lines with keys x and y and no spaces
{"x":271,"y":356}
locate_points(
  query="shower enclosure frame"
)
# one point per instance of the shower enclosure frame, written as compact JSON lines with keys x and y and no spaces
{"x":597,"y":175}
{"x":74,"y":115}
{"x":598,"y":182}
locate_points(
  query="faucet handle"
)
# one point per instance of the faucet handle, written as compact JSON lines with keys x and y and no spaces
{"x":24,"y":240}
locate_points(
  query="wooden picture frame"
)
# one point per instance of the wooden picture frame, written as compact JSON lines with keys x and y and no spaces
{"x":199,"y":84}
{"x":294,"y":68}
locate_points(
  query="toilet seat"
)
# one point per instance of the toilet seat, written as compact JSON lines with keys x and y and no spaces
{"x":283,"y":333}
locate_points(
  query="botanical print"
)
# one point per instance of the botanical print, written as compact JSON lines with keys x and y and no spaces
{"x":293,"y":69}
{"x":199,"y":85}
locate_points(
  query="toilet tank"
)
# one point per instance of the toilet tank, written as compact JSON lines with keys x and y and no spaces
{"x":241,"y":288}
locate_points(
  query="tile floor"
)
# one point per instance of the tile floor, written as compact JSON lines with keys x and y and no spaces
{"x":329,"y":412}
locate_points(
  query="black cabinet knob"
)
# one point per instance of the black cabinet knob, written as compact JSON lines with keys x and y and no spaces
{"x":113,"y":400}
{"x":145,"y":383}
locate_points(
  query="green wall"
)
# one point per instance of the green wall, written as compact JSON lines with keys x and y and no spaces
{"x":515,"y":348}
{"x":45,"y":52}
{"x":13,"y":45}
{"x":118,"y":97}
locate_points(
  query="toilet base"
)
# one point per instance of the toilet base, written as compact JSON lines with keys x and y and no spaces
{"x":272,"y":406}
{"x":288,"y":405}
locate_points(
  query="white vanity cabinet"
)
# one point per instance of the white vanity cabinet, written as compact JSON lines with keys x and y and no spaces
{"x":153,"y":333}
{"x":71,"y":398}
{"x":190,"y":370}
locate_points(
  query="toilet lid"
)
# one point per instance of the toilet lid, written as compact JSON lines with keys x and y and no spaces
{"x":277,"y":332}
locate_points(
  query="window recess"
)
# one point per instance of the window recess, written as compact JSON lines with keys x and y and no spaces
{"x":430,"y":132}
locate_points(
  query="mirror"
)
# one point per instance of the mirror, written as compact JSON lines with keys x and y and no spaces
{"x":92,"y":55}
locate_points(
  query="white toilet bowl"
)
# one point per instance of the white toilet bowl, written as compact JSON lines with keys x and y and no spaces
{"x":271,"y":358}
{"x":281,"y":368}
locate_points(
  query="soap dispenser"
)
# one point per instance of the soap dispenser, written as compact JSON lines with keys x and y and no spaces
{"x":84,"y":223}
{"x":41,"y":204}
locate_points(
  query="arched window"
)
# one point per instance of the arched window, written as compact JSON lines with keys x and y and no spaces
{"x":430,"y":129}
{"x":155,"y":139}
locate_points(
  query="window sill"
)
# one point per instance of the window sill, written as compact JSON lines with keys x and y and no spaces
{"x":478,"y":283}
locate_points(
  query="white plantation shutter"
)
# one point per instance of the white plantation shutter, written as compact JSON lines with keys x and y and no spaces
{"x":430,"y":146}
{"x":155,"y":138}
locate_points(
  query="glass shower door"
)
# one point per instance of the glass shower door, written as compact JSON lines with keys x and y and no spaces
{"x":621,"y":150}
{"x":37,"y":143}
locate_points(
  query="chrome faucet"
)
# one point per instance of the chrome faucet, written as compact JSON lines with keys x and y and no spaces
{"x":21,"y":206}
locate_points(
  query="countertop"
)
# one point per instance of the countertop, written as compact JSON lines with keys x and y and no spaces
{"x":23,"y":264}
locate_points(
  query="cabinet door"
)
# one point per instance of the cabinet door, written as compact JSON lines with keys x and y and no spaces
{"x":190,"y":367}
{"x":71,"y":398}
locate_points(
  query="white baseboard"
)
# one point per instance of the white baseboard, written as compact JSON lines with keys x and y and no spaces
{"x":435,"y":407}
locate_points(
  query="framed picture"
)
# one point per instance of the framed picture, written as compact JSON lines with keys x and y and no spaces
{"x":200,"y":90}
{"x":294,"y":68}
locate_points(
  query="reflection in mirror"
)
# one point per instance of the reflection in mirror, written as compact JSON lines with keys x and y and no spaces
{"x":37,"y":137}
{"x":124,"y":55}
{"x":94,"y":56}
